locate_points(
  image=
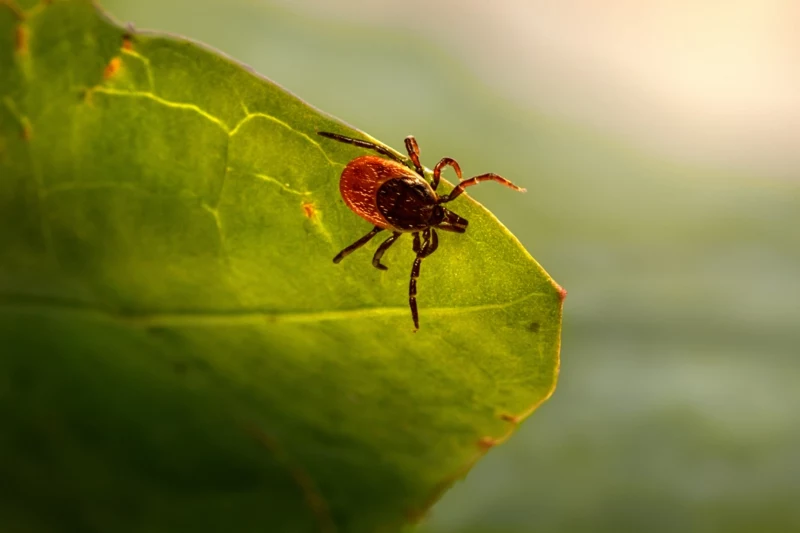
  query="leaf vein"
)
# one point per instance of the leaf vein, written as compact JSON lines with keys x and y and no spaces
{"x":214,"y":213}
{"x":146,"y":62}
{"x":283,"y":186}
{"x":313,"y":142}
{"x":168,"y":103}
{"x":234,"y":317}
{"x":231,"y":132}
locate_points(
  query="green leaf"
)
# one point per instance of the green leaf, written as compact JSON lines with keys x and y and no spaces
{"x":179,"y":353}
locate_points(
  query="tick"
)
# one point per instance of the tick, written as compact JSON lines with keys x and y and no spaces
{"x":392,"y":195}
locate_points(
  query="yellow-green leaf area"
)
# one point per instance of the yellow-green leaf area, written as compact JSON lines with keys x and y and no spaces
{"x":179,"y":352}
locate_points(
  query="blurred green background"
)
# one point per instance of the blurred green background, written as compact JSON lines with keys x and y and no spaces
{"x":659,"y":143}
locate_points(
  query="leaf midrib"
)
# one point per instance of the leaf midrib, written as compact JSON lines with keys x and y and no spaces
{"x":202,"y":317}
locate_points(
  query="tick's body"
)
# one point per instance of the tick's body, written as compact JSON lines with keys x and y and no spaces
{"x":393,"y":196}
{"x":390,"y":195}
{"x":373,"y":188}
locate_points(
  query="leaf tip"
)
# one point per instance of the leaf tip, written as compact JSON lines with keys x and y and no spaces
{"x":562,"y":292}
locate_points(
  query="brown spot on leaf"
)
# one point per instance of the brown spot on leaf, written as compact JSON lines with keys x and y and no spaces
{"x":27,"y":131}
{"x":308,"y":209}
{"x":112,"y":68}
{"x":509,"y":418}
{"x":534,"y":327}
{"x":127,"y":42}
{"x":21,"y":39}
{"x":487,"y":442}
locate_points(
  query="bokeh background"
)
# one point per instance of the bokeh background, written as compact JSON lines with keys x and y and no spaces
{"x":660,"y":144}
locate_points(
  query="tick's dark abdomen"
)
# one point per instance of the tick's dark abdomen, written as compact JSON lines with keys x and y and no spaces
{"x":407,"y":203}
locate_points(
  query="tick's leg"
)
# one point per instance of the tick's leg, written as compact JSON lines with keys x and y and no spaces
{"x":376,"y":259}
{"x":413,"y":152}
{"x":363,"y":144}
{"x":453,"y":228}
{"x":412,"y":290}
{"x":474,"y":181}
{"x":432,"y":244}
{"x":412,"y":287}
{"x":429,"y":244}
{"x":437,"y":170}
{"x":356,"y":245}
